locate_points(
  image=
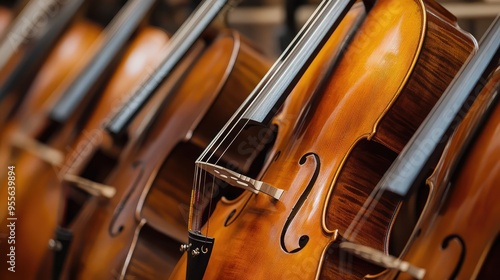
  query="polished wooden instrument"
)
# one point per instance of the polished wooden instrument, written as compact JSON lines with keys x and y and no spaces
{"x":457,"y":234}
{"x":137,"y":231}
{"x":369,"y":102}
{"x":26,"y":45}
{"x":58,"y":66}
{"x":38,"y":140}
{"x":145,"y":48}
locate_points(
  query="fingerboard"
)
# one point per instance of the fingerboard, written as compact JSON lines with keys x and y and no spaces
{"x":437,"y":127}
{"x":116,"y":35}
{"x":179,"y":45}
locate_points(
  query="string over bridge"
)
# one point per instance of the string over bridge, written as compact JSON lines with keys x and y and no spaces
{"x":241,"y":181}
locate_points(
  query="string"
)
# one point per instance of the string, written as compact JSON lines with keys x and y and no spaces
{"x":260,"y":90}
{"x":271,"y":81}
{"x":251,"y":100}
{"x":234,"y":120}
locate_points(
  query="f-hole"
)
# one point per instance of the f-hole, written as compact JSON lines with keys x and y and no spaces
{"x":304,"y":239}
{"x":113,"y":230}
{"x":446,"y":243}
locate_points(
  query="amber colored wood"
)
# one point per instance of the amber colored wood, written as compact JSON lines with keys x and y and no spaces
{"x":155,"y":256}
{"x":30,"y":177}
{"x":40,"y":199}
{"x":59,"y":64}
{"x":290,"y":116}
{"x":65,"y":58}
{"x":248,"y":69}
{"x":320,"y":163}
{"x":139,"y":60}
{"x":463,"y":207}
{"x":445,"y":47}
{"x":94,"y":154}
{"x":5,"y":19}
{"x":10,"y":102}
{"x":153,"y":177}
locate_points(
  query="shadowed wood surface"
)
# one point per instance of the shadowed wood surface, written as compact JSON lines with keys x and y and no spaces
{"x":222,"y":76}
{"x":137,"y":63}
{"x":41,"y":190}
{"x":58,"y":66}
{"x":35,"y":191}
{"x":459,"y":229}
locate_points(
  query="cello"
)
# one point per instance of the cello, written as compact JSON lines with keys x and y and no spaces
{"x":36,"y":144}
{"x":290,"y":221}
{"x":457,"y":234}
{"x":460,"y":245}
{"x":137,"y":231}
{"x":42,"y":30}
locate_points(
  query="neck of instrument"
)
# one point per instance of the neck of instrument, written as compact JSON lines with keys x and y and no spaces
{"x":179,"y":45}
{"x":262,"y":104}
{"x":116,"y":35}
{"x":33,"y":59}
{"x":29,"y":24}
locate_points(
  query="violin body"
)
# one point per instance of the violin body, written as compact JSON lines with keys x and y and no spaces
{"x":356,"y":121}
{"x":137,"y":232}
{"x":457,"y":236}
